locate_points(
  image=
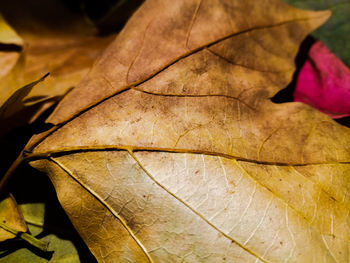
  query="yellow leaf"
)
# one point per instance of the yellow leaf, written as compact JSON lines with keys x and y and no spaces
{"x":8,"y":35}
{"x":11,"y":217}
{"x":14,"y":103}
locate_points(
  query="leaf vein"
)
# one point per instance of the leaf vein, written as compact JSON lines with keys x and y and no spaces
{"x":106,"y":205}
{"x":137,"y":83}
{"x":192,"y":209}
{"x":77,"y":149}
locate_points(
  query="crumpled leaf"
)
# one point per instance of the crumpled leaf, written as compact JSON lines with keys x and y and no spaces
{"x":11,"y":217}
{"x":324,"y":83}
{"x":174,"y":151}
{"x":335,"y":33}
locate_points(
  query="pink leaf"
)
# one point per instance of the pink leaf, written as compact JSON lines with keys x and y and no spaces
{"x":324,"y":83}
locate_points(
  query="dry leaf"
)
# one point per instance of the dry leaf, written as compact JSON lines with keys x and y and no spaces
{"x":15,"y":103}
{"x":62,"y":250}
{"x":10,"y":46}
{"x":171,"y":150}
{"x":11,"y":217}
{"x":55,"y":41}
{"x":13,"y":224}
{"x":8,"y":35}
{"x":14,"y":112}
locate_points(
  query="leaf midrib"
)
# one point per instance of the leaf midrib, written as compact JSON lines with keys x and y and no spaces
{"x":137,"y":83}
{"x":139,"y":243}
{"x":96,"y":195}
{"x":77,"y":149}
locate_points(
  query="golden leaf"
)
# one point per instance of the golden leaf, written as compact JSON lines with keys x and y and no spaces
{"x":11,"y":217}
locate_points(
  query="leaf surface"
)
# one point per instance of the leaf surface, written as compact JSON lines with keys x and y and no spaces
{"x":14,"y":111}
{"x":15,"y":102}
{"x":10,"y":45}
{"x":11,"y":217}
{"x":174,"y":151}
{"x":61,"y":250}
{"x":8,"y":35}
{"x":55,"y":41}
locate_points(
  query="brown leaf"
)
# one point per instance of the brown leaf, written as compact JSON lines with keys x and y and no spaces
{"x":14,"y":103}
{"x":10,"y":45}
{"x":55,"y":41}
{"x":175,"y":153}
{"x":14,"y":112}
{"x":13,"y":224}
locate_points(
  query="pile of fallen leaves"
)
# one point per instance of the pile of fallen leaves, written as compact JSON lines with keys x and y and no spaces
{"x":203,"y":131}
